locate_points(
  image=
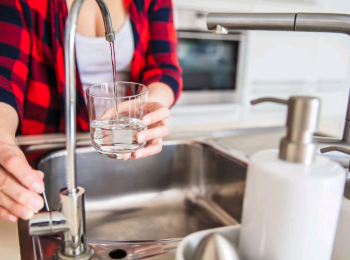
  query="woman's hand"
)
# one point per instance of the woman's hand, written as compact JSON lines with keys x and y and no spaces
{"x":157,"y":122}
{"x":19,"y":183}
{"x":160,"y":98}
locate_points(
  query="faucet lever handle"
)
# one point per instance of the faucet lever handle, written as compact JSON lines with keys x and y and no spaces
{"x":269,"y":99}
{"x":335,"y":149}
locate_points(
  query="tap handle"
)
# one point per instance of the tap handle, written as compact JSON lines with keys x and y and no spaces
{"x":335,"y":149}
{"x":269,"y":99}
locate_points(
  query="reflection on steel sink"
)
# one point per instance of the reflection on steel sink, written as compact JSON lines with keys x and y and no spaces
{"x":186,"y":188}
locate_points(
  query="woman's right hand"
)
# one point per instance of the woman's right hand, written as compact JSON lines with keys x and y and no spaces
{"x":20,"y":185}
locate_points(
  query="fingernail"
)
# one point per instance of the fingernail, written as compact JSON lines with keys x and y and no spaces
{"x":141,"y":138}
{"x":25,"y":213}
{"x":146,"y":121}
{"x":38,"y":188}
{"x":36,"y":204}
{"x":12,"y":218}
{"x":138,"y":155}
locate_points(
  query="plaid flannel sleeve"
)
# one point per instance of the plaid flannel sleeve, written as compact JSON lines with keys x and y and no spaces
{"x":14,"y":55}
{"x":161,"y":62}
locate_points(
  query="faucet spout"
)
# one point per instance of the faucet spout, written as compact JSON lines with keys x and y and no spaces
{"x":109,"y":33}
{"x":252,"y":21}
{"x":70,"y":89}
{"x":298,"y":22}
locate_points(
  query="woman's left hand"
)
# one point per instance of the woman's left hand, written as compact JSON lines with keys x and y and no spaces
{"x":157,"y":122}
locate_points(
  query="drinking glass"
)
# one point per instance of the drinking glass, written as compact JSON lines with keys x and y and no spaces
{"x":116,"y":111}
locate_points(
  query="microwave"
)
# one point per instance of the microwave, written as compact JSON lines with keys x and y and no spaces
{"x":211,"y":63}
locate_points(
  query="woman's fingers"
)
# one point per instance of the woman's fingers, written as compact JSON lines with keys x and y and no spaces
{"x":40,"y":174}
{"x":18,"y":194}
{"x":6,"y":215}
{"x":156,"y":116}
{"x":20,"y":169}
{"x":154,"y":148}
{"x":14,"y":208}
{"x":153,"y":133}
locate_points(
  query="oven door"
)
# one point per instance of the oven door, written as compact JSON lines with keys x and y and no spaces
{"x":211,"y":66}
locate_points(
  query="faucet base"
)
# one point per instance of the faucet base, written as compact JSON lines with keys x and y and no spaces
{"x":88,"y":255}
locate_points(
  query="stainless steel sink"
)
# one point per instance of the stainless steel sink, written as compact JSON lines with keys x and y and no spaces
{"x":152,"y":202}
{"x":188,"y":187}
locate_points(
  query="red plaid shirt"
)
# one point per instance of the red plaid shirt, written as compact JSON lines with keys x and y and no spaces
{"x":32,"y":59}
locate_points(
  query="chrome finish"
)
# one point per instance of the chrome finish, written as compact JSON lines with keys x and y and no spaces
{"x":269,"y":99}
{"x":335,"y":148}
{"x":47,"y":223}
{"x":299,"y":22}
{"x":303,"y":113}
{"x":88,"y":254}
{"x":70,"y":221}
{"x":347,"y":190}
{"x":70,"y":90}
{"x":215,"y":246}
{"x":344,"y":151}
{"x":109,"y":33}
{"x":152,"y":249}
{"x":47,"y":208}
{"x":74,"y":234}
{"x":346,"y":132}
{"x":322,"y":22}
{"x":252,"y":21}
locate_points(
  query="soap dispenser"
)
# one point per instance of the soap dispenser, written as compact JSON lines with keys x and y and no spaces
{"x":293,"y":196}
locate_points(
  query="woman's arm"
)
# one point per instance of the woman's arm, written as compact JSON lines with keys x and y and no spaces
{"x":8,"y":123}
{"x":162,"y":65}
{"x":19,"y":183}
{"x":162,"y":75}
{"x":161,"y":93}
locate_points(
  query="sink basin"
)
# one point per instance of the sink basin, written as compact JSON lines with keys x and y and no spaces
{"x":188,"y":187}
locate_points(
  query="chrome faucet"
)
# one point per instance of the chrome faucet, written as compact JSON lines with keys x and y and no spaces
{"x":70,"y":221}
{"x":221,"y":23}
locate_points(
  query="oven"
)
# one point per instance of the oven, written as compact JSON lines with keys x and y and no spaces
{"x":211,"y":63}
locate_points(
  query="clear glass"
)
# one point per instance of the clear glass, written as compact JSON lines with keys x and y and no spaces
{"x":116,"y":112}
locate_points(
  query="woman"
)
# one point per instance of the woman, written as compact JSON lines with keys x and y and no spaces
{"x":32,"y":78}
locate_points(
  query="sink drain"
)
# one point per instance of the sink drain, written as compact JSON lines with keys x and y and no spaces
{"x":118,"y":254}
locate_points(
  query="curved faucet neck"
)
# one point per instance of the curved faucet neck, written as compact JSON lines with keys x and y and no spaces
{"x":70,"y":78}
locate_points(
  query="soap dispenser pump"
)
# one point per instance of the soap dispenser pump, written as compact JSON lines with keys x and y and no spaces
{"x":292,"y":197}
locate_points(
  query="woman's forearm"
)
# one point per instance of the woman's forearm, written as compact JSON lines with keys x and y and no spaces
{"x":8,"y":123}
{"x":161,"y":93}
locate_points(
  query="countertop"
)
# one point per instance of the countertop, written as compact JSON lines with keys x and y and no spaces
{"x":9,"y":244}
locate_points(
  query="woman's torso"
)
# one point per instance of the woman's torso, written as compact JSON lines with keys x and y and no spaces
{"x":93,"y":51}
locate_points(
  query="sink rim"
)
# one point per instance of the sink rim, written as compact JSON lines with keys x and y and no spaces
{"x":90,"y":148}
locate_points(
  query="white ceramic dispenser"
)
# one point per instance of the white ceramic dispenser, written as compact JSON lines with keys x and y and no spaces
{"x":293,"y":197}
